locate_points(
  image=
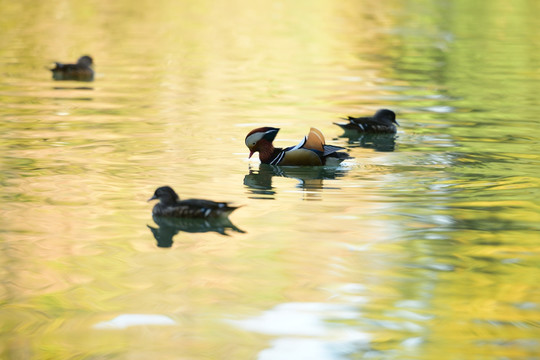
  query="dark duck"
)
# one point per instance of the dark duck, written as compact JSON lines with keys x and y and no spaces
{"x":383,"y":122}
{"x":311,"y":151}
{"x":170,"y":205}
{"x":81,"y":71}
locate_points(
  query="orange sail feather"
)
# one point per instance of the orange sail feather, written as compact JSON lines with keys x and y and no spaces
{"x":315,"y":140}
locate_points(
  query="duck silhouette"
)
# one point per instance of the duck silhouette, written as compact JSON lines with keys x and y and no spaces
{"x":81,"y":71}
{"x":384,"y":121}
{"x":170,"y":205}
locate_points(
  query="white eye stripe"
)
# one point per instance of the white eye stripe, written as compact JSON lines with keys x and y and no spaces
{"x":253,"y":138}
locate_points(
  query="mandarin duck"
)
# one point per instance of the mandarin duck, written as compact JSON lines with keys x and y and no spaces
{"x":311,"y":151}
{"x":170,"y":205}
{"x":384,"y":121}
{"x":81,"y":71}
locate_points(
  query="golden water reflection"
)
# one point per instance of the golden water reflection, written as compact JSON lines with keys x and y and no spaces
{"x":423,"y":246}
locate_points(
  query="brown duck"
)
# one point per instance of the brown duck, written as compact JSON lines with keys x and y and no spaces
{"x":170,"y":205}
{"x":81,"y":71}
{"x":384,"y":121}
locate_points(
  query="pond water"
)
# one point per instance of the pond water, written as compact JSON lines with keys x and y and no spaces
{"x":424,"y":246}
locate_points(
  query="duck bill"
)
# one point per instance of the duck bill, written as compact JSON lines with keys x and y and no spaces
{"x":251,"y":154}
{"x":152,"y":198}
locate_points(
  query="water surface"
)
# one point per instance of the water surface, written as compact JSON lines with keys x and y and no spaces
{"x":424,"y":245}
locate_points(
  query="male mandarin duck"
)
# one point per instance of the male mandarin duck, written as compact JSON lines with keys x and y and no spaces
{"x":311,"y":151}
{"x":384,"y":121}
{"x":170,"y":205}
{"x":81,"y":71}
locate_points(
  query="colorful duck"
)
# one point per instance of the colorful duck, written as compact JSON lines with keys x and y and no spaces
{"x":170,"y":205}
{"x":384,"y":121}
{"x":81,"y":71}
{"x":311,"y":151}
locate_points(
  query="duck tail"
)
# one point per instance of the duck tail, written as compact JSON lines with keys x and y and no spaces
{"x":230,"y":208}
{"x":331,"y":149}
{"x":57,"y":66}
{"x":343,"y":126}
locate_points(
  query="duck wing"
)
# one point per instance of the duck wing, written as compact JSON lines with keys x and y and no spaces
{"x":331,"y":149}
{"x":367,"y":124}
{"x":208,"y":207}
{"x":194,"y":208}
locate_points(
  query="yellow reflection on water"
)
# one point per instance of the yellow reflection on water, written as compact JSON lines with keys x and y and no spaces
{"x":426,"y":248}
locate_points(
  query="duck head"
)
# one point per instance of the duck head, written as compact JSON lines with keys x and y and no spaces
{"x":260,"y":139}
{"x":386,"y":116}
{"x":165,"y":195}
{"x":85,"y":61}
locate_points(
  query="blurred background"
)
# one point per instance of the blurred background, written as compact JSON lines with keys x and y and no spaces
{"x":425,"y":245}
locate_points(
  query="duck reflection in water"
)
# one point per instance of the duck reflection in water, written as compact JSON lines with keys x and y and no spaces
{"x":377,"y":142}
{"x":169,"y":227}
{"x":259,"y":180}
{"x":376,"y":132}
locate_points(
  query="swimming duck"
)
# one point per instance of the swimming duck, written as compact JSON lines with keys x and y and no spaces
{"x":170,"y":205}
{"x":311,"y":151}
{"x":81,"y":71}
{"x":384,"y":121}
